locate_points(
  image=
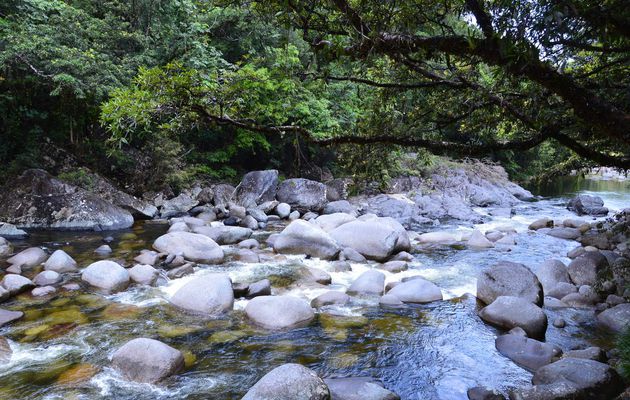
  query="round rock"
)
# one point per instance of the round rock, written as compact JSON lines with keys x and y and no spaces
{"x":416,"y":291}
{"x":106,"y":275}
{"x":279,"y":312}
{"x":47,"y":278}
{"x":509,"y":279}
{"x":289,"y":382}
{"x":209,"y":294}
{"x":60,"y":262}
{"x":509,"y":312}
{"x":192,"y":246}
{"x":147,"y":360}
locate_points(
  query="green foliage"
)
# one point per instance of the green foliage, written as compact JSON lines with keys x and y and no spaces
{"x":80,"y":177}
{"x":623,"y":345}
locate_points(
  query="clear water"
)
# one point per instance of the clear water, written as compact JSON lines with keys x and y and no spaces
{"x":61,"y":348}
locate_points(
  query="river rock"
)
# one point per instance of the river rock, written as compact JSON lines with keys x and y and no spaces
{"x":584,"y":204}
{"x":16,"y":284}
{"x":250,"y":222}
{"x":103,"y":250}
{"x":561,"y":289}
{"x":337,"y":189}
{"x":279,"y":312}
{"x":260,"y":288}
{"x":478,"y":240}
{"x":509,"y":279}
{"x":177,"y":206}
{"x":10,"y":231}
{"x":7,"y":316}
{"x":350,"y":254}
{"x":331,"y":221}
{"x":256,"y":187}
{"x":483,"y":393}
{"x":5,"y":247}
{"x":5,"y":350}
{"x":4,"y":294}
{"x":541,"y":223}
{"x":247,"y":256}
{"x":179,"y":272}
{"x":358,"y":388}
{"x":38,"y":200}
{"x":223,"y":194}
{"x":106,"y":275}
{"x":616,"y":318}
{"x":552,"y":272}
{"x":302,"y":237}
{"x":329,"y":298}
{"x":438,"y":238}
{"x":394,"y":266}
{"x":283,"y":210}
{"x":576,"y":252}
{"x":565,"y":233}
{"x":47,"y":278}
{"x":180,"y":226}
{"x":250,"y":244}
{"x":584,"y":269}
{"x":144,"y":274}
{"x":528,"y":353}
{"x":317,"y":275}
{"x":376,"y":239}
{"x":43,"y":291}
{"x":209,"y":294}
{"x":147,"y":360}
{"x":398,"y":207}
{"x":257,"y":215}
{"x":224,"y":234}
{"x":370,"y":282}
{"x":147,"y":257}
{"x":289,"y":382}
{"x":192,"y":246}
{"x":508,"y":312}
{"x":340,"y":206}
{"x":589,"y":353}
{"x":416,"y":291}
{"x":60,"y":262}
{"x":28,"y":258}
{"x":302,"y":194}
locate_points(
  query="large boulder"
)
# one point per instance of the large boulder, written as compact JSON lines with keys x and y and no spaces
{"x":147,"y":360}
{"x":358,"y":388}
{"x":396,"y":206}
{"x":528,"y":353}
{"x":509,"y":312}
{"x":224,"y":234}
{"x":28,"y":258}
{"x":551,"y":273}
{"x":329,"y":222}
{"x":616,"y":318}
{"x":106,"y":275}
{"x":60,"y":262}
{"x":370,"y":282}
{"x":302,"y":194}
{"x":584,"y":204}
{"x":509,"y":279}
{"x":10,"y":231}
{"x":223,"y":194}
{"x":279,"y":312}
{"x":38,"y":200}
{"x":565,"y":233}
{"x":340,"y":206}
{"x":15,"y":284}
{"x":302,"y":237}
{"x":144,"y":274}
{"x":210,"y":294}
{"x":574,"y":379}
{"x":416,"y":290}
{"x":256,"y":187}
{"x":178,"y":206}
{"x":376,"y":238}
{"x":584,"y":269}
{"x":192,"y":246}
{"x":289,"y":382}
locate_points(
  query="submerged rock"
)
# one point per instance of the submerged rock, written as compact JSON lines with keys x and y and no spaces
{"x":106,"y":275}
{"x":509,"y":279}
{"x":279,"y":312}
{"x":358,"y":388}
{"x":479,"y":240}
{"x":38,"y":200}
{"x":147,"y":360}
{"x":192,"y":246}
{"x":509,"y":312}
{"x":289,"y":382}
{"x":210,"y":294}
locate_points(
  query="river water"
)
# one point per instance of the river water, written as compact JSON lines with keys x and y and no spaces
{"x":61,"y":348}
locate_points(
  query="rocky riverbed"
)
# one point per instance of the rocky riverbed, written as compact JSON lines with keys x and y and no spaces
{"x":285,"y":290}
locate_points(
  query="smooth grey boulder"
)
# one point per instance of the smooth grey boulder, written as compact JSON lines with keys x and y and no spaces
{"x":144,"y":274}
{"x":584,"y":204}
{"x":416,"y":291}
{"x":250,"y":222}
{"x":192,"y":246}
{"x":283,"y":210}
{"x":47,"y":278}
{"x":340,"y":206}
{"x":247,"y":256}
{"x":43,"y":291}
{"x":60,"y":262}
{"x":302,"y":194}
{"x":103,"y":250}
{"x":528,"y":353}
{"x":375,"y":239}
{"x":584,"y":269}
{"x":329,"y":222}
{"x":257,"y":214}
{"x":390,"y":301}
{"x":5,"y":247}
{"x":541,"y":223}
{"x":256,"y":187}
{"x":507,"y":312}
{"x":224,"y":234}
{"x":177,"y":206}
{"x":147,"y":360}
{"x":317,"y":275}
{"x":250,"y":244}
{"x":394,"y":266}
{"x":106,"y":275}
{"x":260,"y":288}
{"x":341,"y":266}
{"x":179,"y":227}
{"x":561,"y":289}
{"x":16,"y":284}
{"x":332,"y":297}
{"x":616,"y":318}
{"x":10,"y":231}
{"x":509,"y":279}
{"x":350,"y":254}
{"x":209,"y":294}
{"x":552,"y":272}
{"x":396,"y":206}
{"x":289,"y":382}
{"x":38,"y":200}
{"x":479,"y":241}
{"x":565,"y":233}
{"x":7,"y":316}
{"x":302,"y":237}
{"x":358,"y":388}
{"x":279,"y":312}
{"x":223,"y":194}
{"x":589,"y":353}
{"x":28,"y":258}
{"x":147,"y":257}
{"x":370,"y":282}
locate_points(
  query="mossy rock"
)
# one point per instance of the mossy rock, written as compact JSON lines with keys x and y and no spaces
{"x":117,"y":312}
{"x":343,"y":360}
{"x":172,"y":331}
{"x":189,"y":358}
{"x":328,"y":321}
{"x":77,"y":374}
{"x":223,"y":337}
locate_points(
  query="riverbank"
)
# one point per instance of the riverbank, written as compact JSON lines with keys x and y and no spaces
{"x":435,"y":346}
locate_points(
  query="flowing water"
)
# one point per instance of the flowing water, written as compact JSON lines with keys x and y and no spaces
{"x":61,"y":348}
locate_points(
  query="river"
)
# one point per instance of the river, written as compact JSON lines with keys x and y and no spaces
{"x":435,"y":351}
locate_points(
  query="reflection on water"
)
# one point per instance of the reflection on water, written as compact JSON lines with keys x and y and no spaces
{"x":435,"y":351}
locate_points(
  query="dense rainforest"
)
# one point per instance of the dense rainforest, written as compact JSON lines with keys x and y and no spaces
{"x":178,"y":90}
